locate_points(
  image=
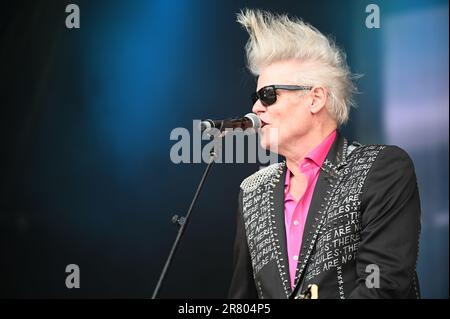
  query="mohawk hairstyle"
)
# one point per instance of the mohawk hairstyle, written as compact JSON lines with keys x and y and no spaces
{"x":277,"y":37}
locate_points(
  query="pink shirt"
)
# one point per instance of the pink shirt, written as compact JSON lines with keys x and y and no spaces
{"x":295,"y":213}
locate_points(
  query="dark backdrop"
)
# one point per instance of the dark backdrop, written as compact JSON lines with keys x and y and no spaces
{"x":86,"y":115}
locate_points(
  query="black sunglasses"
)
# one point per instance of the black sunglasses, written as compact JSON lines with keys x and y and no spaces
{"x":268,"y":94}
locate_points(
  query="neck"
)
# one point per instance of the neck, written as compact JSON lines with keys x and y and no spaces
{"x":297,"y":150}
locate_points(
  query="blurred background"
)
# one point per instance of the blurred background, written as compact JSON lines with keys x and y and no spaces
{"x":86,"y":115}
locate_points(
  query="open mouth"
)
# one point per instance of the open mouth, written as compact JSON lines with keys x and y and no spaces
{"x":263,"y":124}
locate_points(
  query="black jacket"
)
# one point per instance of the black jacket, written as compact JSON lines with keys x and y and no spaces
{"x":364,"y":220}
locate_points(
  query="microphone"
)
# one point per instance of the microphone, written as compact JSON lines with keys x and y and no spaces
{"x":250,"y":120}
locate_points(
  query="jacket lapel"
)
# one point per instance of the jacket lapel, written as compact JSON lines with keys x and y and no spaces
{"x":327,"y":179}
{"x":279,"y":223}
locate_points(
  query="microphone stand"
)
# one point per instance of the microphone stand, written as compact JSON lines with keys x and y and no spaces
{"x":182,"y":222}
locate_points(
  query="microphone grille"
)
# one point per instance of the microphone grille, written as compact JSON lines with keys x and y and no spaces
{"x":255,"y":120}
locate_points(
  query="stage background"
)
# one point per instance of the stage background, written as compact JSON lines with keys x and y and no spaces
{"x":86,"y":115}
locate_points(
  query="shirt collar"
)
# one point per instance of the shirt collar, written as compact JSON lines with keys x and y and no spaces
{"x":319,"y":153}
{"x":316,"y":155}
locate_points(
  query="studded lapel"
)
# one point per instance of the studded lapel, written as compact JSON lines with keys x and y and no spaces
{"x":326,"y":183}
{"x":279,"y":223}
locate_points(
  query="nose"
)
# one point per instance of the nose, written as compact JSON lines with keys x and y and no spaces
{"x":258,"y":108}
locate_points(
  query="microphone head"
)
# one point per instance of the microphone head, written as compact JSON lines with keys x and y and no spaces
{"x":256,"y":122}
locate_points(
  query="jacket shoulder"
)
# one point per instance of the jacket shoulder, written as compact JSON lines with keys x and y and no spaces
{"x":262,"y":176}
{"x":385,"y":151}
{"x":395,"y":156}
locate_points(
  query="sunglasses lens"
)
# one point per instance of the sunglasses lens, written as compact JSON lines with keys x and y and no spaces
{"x":268,"y":96}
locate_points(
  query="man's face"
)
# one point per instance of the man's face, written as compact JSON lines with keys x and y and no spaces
{"x":289,"y":117}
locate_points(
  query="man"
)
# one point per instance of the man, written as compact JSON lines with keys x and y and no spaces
{"x":344,"y":217}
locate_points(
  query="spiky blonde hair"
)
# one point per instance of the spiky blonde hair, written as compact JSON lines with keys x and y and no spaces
{"x":277,"y":37}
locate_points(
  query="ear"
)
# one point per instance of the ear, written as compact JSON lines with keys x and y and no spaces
{"x":319,"y":97}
